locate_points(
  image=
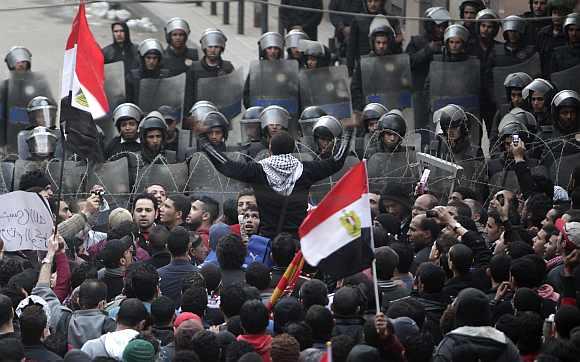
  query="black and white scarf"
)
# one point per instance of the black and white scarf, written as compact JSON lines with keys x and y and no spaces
{"x":282,"y":172}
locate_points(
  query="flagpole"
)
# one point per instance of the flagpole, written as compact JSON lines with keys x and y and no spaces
{"x":374,"y":262}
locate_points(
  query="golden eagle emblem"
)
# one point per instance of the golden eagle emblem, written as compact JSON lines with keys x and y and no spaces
{"x":352,"y":223}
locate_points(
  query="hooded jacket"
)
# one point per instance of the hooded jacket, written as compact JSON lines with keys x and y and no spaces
{"x":477,"y":343}
{"x":126,"y":52}
{"x":262,"y":344}
{"x":109,"y":345}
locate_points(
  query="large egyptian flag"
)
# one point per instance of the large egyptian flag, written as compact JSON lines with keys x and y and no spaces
{"x":83,"y":78}
{"x":336,"y":236}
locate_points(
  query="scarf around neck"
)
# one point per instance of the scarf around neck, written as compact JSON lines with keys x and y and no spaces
{"x":282,"y":172}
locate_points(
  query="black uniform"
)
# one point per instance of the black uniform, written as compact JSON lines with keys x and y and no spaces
{"x":116,"y":146}
{"x":564,"y":57}
{"x":421,"y":55}
{"x":126,"y":52}
{"x":533,"y":27}
{"x":546,"y":43}
{"x":341,"y":21}
{"x":308,"y":20}
{"x":506,"y":56}
{"x":179,"y":63}
{"x":134,"y":79}
{"x":201,"y":69}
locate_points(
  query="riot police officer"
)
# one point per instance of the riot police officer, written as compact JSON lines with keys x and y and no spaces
{"x":41,"y":143}
{"x":217,"y":127}
{"x":41,"y":113}
{"x":568,"y":56}
{"x":316,"y":55}
{"x":251,"y":131}
{"x":566,"y":113}
{"x":178,"y":56}
{"x":121,"y":49}
{"x":18,"y":59}
{"x":454,"y":144}
{"x":126,"y":118}
{"x":391,"y":130}
{"x":370,"y":118}
{"x":381,"y":42}
{"x":171,"y":117}
{"x":213,"y":44}
{"x":326,"y":131}
{"x":151,"y":53}
{"x":484,"y":43}
{"x":152,"y":134}
{"x":515,"y":50}
{"x":552,"y":36}
{"x":308,"y":118}
{"x":187,"y":141}
{"x":292,"y":41}
{"x":273,"y":120}
{"x":468,"y":10}
{"x":514,"y":84}
{"x":537,"y":10}
{"x":537,"y":98}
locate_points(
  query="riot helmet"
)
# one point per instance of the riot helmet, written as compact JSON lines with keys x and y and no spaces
{"x":213,"y":37}
{"x":371,"y":114}
{"x":512,"y":125}
{"x":308,"y":118}
{"x":169,"y":113}
{"x":270,"y":40}
{"x":438,"y":15}
{"x":392,"y":124}
{"x":380,"y":25}
{"x":215,"y":119}
{"x":18,"y":54}
{"x":176,"y":24}
{"x":273,"y":119}
{"x":197,"y":113}
{"x":487,"y":14}
{"x":154,"y":120}
{"x":478,"y":5}
{"x":292,"y":41}
{"x":325,"y":131}
{"x":542,"y":87}
{"x":41,"y":142}
{"x":513,"y":23}
{"x":515,"y":81}
{"x":571,"y":20}
{"x":313,"y":50}
{"x":41,"y":112}
{"x":452,"y":116}
{"x":125,"y":111}
{"x":566,"y":111}
{"x":150,"y":45}
{"x":525,"y":118}
{"x":456,"y":31}
{"x":250,"y":124}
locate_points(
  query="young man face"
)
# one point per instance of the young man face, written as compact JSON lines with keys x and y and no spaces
{"x":273,"y":53}
{"x":381,"y":44}
{"x":154,"y":140}
{"x":144,"y":214}
{"x":196,"y":214}
{"x":469,"y":12}
{"x":178,"y":38}
{"x":516,"y":97}
{"x":64,"y":212}
{"x":244,"y":202}
{"x":158,"y":192}
{"x":215,"y":135}
{"x":128,"y":129}
{"x":538,"y":102}
{"x":152,"y":61}
{"x":118,"y":33}
{"x":251,"y":222}
{"x":168,"y":214}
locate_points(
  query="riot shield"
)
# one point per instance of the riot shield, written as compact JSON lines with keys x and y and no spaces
{"x":114,"y":177}
{"x":562,"y":169}
{"x":567,"y":79}
{"x":508,"y":180}
{"x":387,"y":80}
{"x":392,"y":167}
{"x":275,"y":82}
{"x":328,"y":88}
{"x":7,"y":175}
{"x":455,"y":83}
{"x":530,"y":66}
{"x":23,"y":166}
{"x":173,"y":177}
{"x":205,"y":180}
{"x":115,"y":83}
{"x":443,"y":174}
{"x":322,"y":187}
{"x":186,"y":144}
{"x":224,"y":91}
{"x":22,"y":87}
{"x":74,"y":177}
{"x":154,"y":93}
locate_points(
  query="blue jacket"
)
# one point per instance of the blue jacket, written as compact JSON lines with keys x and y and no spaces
{"x":171,"y":278}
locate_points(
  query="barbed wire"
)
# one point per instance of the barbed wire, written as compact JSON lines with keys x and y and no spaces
{"x":263,"y":2}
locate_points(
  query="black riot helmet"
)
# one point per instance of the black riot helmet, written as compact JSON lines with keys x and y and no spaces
{"x":372,"y":112}
{"x":153,"y":120}
{"x":566,"y":98}
{"x":516,"y":123}
{"x":215,"y":119}
{"x":312,"y":113}
{"x":327,"y":127}
{"x":250,"y":125}
{"x":452,"y":116}
{"x":393,"y":121}
{"x":477,"y":4}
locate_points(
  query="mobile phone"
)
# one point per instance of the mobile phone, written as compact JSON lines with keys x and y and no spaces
{"x":515,"y":139}
{"x":501,"y":199}
{"x":422,"y":186}
{"x":431,"y":213}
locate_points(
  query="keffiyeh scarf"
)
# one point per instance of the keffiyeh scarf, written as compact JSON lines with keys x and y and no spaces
{"x":282,"y":172}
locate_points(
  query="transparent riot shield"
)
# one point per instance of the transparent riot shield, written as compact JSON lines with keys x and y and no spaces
{"x":115,"y":83}
{"x":531,"y":66}
{"x":186,"y":145}
{"x":22,"y":87}
{"x":7,"y":177}
{"x":567,"y":79}
{"x":562,"y":169}
{"x":275,"y":82}
{"x":224,"y":91}
{"x":23,"y":166}
{"x":154,"y":93}
{"x":328,"y":88}
{"x":173,"y":177}
{"x":400,"y":167}
{"x":74,"y":176}
{"x":387,"y":80}
{"x":114,"y":177}
{"x":508,"y":180}
{"x":455,"y":83}
{"x":443,"y":174}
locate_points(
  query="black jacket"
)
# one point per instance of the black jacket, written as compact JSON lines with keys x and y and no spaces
{"x":308,"y":20}
{"x":546,"y":43}
{"x":457,"y":284}
{"x":200,"y":69}
{"x":434,"y":305}
{"x":485,"y":344}
{"x":275,"y":208}
{"x":133,"y":81}
{"x":160,"y":259}
{"x":163,"y":334}
{"x":351,"y":326}
{"x":126,"y":52}
{"x":115,"y":146}
{"x":421,"y":56}
{"x":39,"y":353}
{"x":177,"y":64}
{"x":563,"y":58}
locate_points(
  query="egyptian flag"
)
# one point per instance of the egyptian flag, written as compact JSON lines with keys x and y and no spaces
{"x":336,"y":236}
{"x":83,"y":77}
